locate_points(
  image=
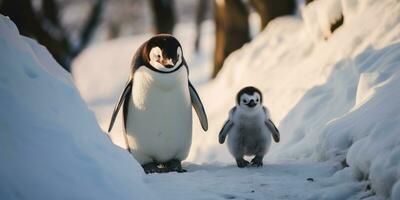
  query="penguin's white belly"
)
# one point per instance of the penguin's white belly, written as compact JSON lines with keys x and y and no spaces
{"x":159,"y":123}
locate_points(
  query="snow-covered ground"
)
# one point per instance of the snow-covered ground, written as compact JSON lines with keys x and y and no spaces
{"x":335,"y":97}
{"x":273,"y":181}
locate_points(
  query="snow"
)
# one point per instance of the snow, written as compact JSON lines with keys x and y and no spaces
{"x":225,"y":181}
{"x":319,"y":15}
{"x":51,"y":144}
{"x":334,"y":96}
{"x":334,"y":100}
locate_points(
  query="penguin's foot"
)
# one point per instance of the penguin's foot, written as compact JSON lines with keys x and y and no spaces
{"x":257,"y":161}
{"x":152,"y":167}
{"x":175,"y":166}
{"x":242,"y":162}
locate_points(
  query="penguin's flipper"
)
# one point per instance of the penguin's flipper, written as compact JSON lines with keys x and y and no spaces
{"x":271,"y":126}
{"x":198,"y":107}
{"x":126,"y":93}
{"x":275,"y":132}
{"x":227,"y":126}
{"x":224,"y":131}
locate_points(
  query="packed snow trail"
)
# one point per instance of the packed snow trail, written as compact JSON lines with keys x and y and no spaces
{"x":272,"y":181}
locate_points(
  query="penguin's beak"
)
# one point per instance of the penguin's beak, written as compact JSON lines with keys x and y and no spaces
{"x":251,"y":103}
{"x":167,"y":63}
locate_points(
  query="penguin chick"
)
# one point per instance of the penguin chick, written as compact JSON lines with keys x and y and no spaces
{"x":249,"y":128}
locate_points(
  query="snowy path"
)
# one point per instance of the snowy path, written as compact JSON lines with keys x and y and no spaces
{"x":333,"y":95}
{"x":272,"y":181}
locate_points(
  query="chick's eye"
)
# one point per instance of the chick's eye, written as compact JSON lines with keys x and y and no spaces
{"x":244,"y":101}
{"x":257,"y":100}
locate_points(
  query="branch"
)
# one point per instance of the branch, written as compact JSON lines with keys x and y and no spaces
{"x":90,"y":26}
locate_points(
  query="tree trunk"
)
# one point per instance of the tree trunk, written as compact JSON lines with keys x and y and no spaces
{"x":232,"y":30}
{"x":309,"y":1}
{"x":164,"y":18}
{"x":90,"y":26}
{"x":270,"y":9}
{"x":201,"y":12}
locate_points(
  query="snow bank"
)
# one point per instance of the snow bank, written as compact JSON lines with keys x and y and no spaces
{"x":334,"y":95}
{"x":319,"y":15}
{"x":335,"y":99}
{"x":50,"y":144}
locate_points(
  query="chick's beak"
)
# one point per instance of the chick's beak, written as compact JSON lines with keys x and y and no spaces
{"x":251,"y":103}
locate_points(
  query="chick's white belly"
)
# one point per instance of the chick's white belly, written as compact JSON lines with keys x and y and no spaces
{"x":252,"y":139}
{"x":162,"y":129}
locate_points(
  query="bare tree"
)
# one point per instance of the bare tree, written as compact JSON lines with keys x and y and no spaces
{"x":201,"y":12}
{"x":232,"y":29}
{"x":44,"y":26}
{"x":164,"y":18}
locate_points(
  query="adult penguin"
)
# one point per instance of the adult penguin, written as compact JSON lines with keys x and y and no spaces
{"x":157,"y":101}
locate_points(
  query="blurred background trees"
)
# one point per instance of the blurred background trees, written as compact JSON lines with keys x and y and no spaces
{"x":231,"y":29}
{"x":66,"y":27}
{"x":42,"y":22}
{"x":164,"y":17}
{"x":271,"y":9}
{"x":232,"y":24}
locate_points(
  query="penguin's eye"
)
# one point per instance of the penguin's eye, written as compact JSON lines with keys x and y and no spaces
{"x":257,"y":100}
{"x":244,"y":101}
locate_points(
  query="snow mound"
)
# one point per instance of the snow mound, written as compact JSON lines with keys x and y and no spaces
{"x":334,"y":95}
{"x":50,"y":144}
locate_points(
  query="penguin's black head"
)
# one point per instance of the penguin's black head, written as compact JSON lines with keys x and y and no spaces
{"x":164,"y":53}
{"x":249,"y":97}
